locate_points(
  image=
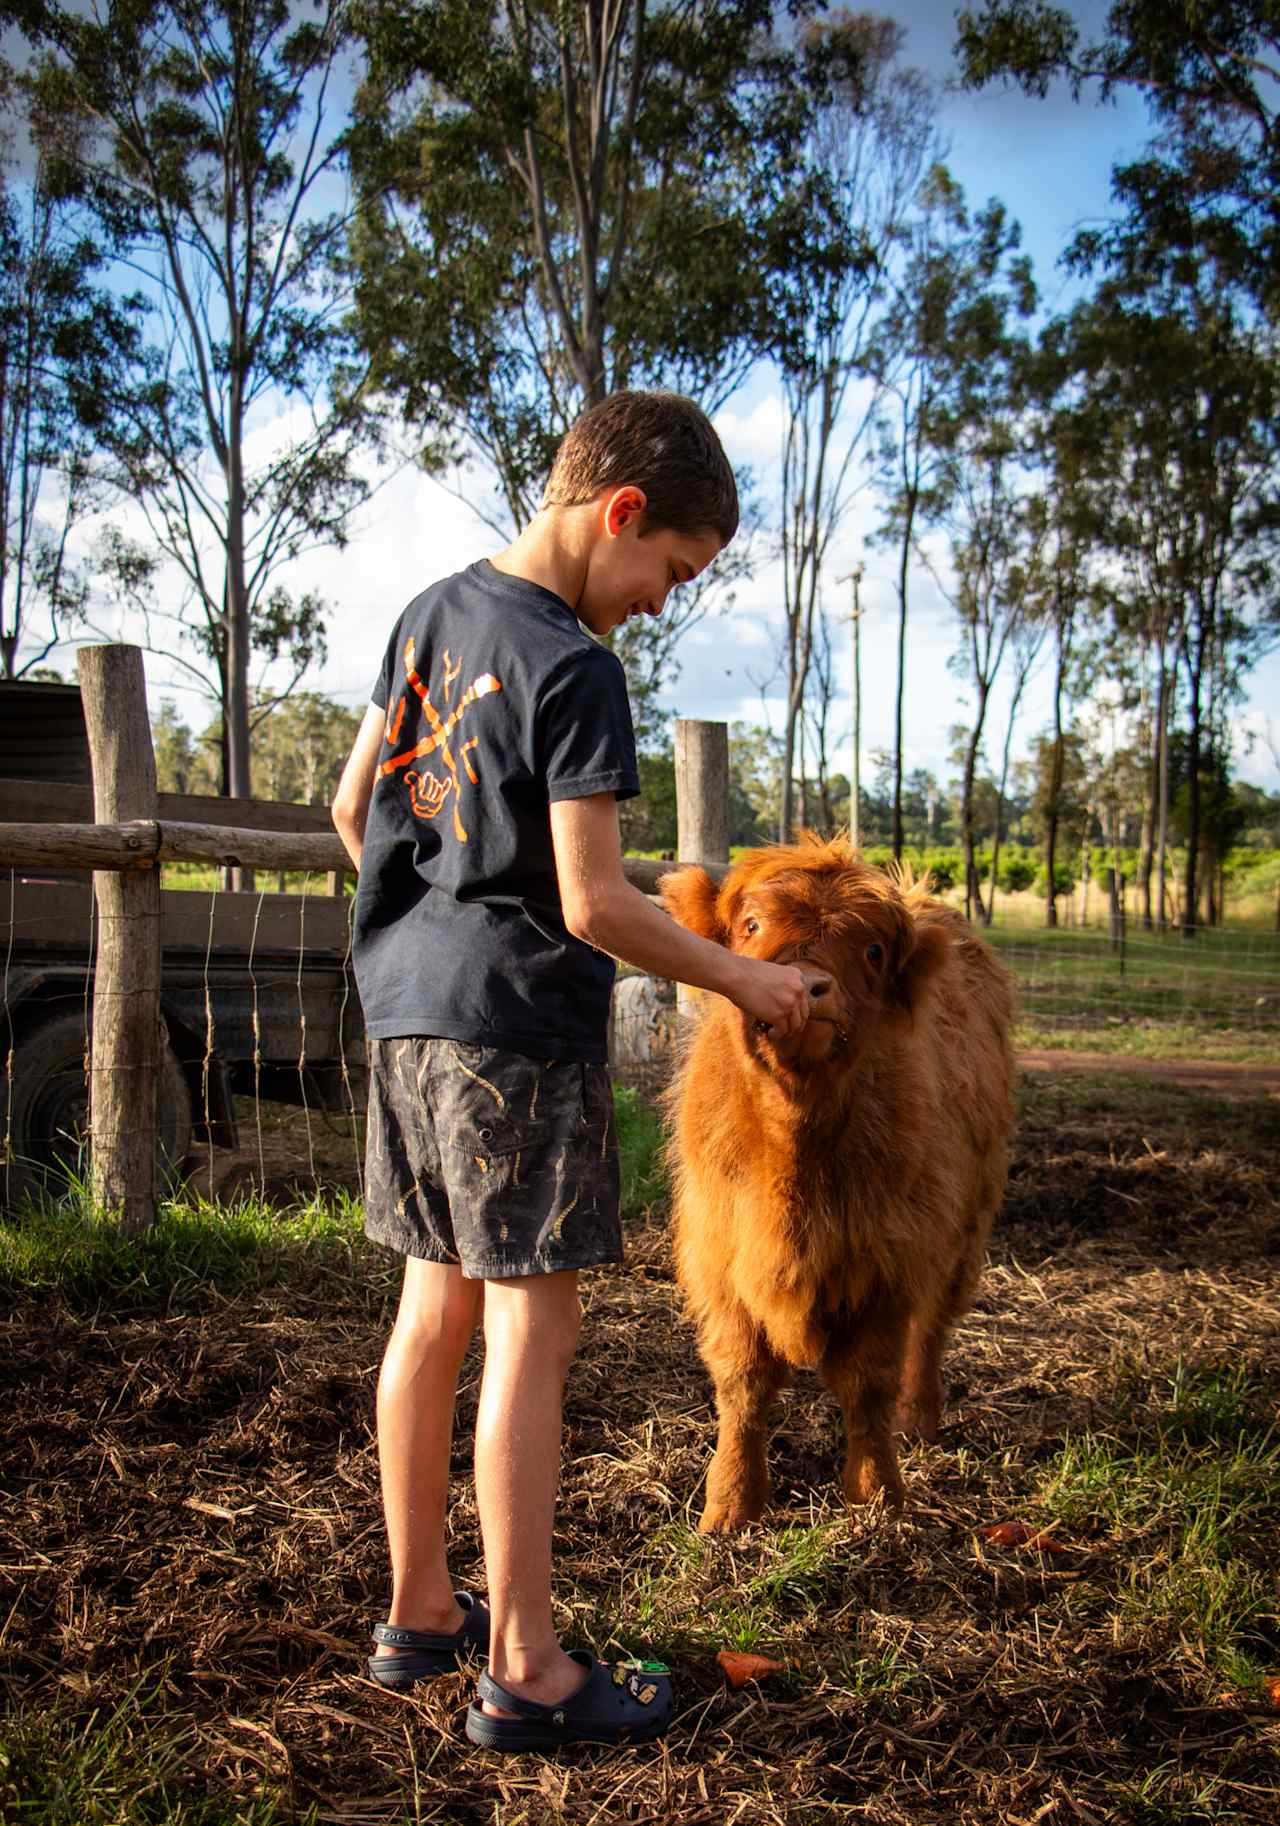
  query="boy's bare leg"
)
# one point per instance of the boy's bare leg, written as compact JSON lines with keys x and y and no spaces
{"x":437,"y":1314}
{"x":530,"y":1334}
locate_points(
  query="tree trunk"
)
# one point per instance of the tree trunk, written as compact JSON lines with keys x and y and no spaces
{"x":1162,"y":802}
{"x":972,"y":886}
{"x":235,"y":706}
{"x":1190,"y":891}
{"x":1055,"y":786}
{"x":912,"y":498}
{"x":1147,"y":832}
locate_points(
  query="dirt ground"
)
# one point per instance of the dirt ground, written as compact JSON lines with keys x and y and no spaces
{"x":191,"y":1498}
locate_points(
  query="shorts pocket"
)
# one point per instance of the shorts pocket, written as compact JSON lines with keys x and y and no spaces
{"x":496,"y":1104}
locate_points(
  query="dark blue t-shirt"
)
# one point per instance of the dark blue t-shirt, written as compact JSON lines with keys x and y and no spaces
{"x":497,"y":702}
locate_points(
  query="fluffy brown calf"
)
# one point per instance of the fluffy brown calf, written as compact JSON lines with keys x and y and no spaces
{"x":834,"y":1191}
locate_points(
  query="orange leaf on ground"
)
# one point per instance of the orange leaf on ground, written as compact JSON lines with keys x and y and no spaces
{"x":1021,"y":1534}
{"x":739,"y":1668}
{"x":1271,"y":1687}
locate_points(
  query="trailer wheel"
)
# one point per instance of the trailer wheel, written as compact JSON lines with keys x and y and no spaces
{"x":45,"y":1120}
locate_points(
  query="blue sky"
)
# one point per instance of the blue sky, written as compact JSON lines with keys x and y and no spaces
{"x":1050,"y":162}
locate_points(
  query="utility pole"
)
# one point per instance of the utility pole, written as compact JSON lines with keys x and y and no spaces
{"x":855,"y":781}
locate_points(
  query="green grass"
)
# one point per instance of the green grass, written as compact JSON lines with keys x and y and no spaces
{"x":1189,"y":1503}
{"x":204,"y":877}
{"x":1216,"y":997}
{"x":640,"y":1144}
{"x":194,"y":1248}
{"x":1152,"y":1040}
{"x":190,"y":1250}
{"x":130,"y":1766}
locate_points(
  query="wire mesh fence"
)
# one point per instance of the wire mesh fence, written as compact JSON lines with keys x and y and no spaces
{"x":264,"y":1080}
{"x":1219,"y":989}
{"x":264,"y":1047}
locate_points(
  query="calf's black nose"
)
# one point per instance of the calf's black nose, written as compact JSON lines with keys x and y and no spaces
{"x":819,"y":988}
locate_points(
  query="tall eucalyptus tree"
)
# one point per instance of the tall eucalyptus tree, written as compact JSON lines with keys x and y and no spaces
{"x":213,"y":132}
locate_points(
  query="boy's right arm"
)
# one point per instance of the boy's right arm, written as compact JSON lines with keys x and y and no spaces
{"x":355,"y":789}
{"x":602,"y":907}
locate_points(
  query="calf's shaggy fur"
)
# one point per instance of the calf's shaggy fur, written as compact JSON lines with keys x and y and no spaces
{"x":834,"y":1191}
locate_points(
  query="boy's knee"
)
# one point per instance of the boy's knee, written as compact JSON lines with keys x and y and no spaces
{"x":438,"y":1312}
{"x":536,"y":1322}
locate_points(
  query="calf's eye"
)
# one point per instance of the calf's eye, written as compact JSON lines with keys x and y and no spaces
{"x":875,"y":954}
{"x":751,"y":927}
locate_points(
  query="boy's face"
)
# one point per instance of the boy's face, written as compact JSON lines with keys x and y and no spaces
{"x":630,"y":571}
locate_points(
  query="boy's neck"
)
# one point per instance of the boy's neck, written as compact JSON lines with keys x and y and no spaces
{"x":552,"y":551}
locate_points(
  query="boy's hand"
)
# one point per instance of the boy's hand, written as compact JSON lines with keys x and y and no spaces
{"x":776,"y":994}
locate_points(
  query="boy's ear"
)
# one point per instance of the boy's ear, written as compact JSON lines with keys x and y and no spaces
{"x":690,"y":895}
{"x":624,"y":505}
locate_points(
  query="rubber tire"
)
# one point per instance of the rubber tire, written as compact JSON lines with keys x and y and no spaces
{"x":46,"y":1120}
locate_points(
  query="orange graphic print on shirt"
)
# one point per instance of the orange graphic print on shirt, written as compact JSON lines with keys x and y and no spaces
{"x":428,"y":792}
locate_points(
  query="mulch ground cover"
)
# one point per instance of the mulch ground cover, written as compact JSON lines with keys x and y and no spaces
{"x":190,"y":1527}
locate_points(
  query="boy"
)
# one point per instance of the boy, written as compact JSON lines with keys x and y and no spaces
{"x":480,"y":807}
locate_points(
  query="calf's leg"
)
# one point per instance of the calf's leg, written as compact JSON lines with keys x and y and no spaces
{"x":920,"y":1397}
{"x":747,"y":1377}
{"x":863,"y":1368}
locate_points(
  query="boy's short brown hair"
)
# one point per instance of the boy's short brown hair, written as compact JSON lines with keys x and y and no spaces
{"x":663,"y":444}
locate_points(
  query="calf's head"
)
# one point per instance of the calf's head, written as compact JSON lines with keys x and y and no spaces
{"x":851,"y":929}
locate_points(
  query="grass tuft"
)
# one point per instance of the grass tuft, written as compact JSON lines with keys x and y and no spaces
{"x":640,"y":1147}
{"x":191,"y":1249}
{"x":131,"y":1765}
{"x":1189,"y":1499}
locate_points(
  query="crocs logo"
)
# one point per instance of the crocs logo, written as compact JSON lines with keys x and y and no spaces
{"x":557,"y":1718}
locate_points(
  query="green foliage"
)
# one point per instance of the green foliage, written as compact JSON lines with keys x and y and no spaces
{"x":1206,"y":71}
{"x":65,"y":342}
{"x":1064,"y":879}
{"x":648,"y":823}
{"x":550,"y":213}
{"x":640,"y":1150}
{"x":200,"y":134}
{"x":299,"y":749}
{"x":1017,"y":871}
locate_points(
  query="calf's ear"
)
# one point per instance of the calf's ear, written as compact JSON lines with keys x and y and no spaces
{"x":922,"y":963}
{"x":690,"y":895}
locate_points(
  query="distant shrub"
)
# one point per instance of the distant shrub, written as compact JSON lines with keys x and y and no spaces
{"x":1017,"y":871}
{"x":1064,"y":880}
{"x":944,"y":867}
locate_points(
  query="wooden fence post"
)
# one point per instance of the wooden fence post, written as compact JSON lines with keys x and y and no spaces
{"x":126,"y":984}
{"x":702,"y":805}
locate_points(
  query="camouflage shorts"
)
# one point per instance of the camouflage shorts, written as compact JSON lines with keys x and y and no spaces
{"x":475,"y":1155}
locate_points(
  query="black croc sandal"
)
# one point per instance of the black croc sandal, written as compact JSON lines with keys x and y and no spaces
{"x":621,"y":1703}
{"x":425,"y":1653}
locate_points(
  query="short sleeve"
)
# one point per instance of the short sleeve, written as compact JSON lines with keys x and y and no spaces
{"x":381,"y":693}
{"x":586,"y":743}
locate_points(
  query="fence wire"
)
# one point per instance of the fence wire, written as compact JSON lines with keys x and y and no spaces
{"x":1221,"y":986}
{"x":260,"y":995}
{"x":266,"y":1016}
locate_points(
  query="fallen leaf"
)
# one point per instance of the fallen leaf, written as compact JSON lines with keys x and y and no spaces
{"x":1271,"y":1687}
{"x":1021,"y":1534}
{"x":739,"y":1668}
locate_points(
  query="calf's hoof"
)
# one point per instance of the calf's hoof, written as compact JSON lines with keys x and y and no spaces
{"x":866,"y":1480}
{"x":725,"y":1515}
